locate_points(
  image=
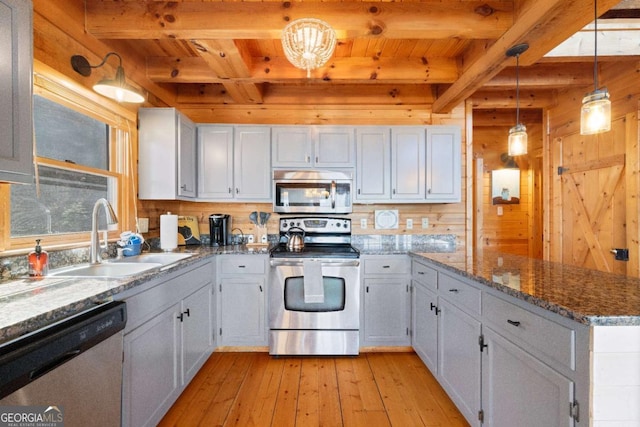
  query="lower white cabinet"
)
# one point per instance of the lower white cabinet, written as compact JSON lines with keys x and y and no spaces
{"x":386,"y":314}
{"x":425,"y":312}
{"x":168,"y":337}
{"x":519,"y":390}
{"x":242,"y":310}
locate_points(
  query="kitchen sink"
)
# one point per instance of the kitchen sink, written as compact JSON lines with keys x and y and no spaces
{"x":163,"y":258}
{"x":108,"y":269}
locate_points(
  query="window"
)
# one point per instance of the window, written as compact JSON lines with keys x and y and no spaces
{"x":83,"y":153}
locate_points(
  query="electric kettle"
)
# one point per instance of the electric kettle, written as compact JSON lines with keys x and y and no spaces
{"x":295,"y":242}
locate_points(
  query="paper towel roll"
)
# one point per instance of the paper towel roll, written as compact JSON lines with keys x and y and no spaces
{"x":168,"y":232}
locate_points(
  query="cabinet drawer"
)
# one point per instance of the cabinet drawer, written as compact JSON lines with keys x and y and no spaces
{"x":461,"y":294}
{"x":425,"y":275}
{"x":249,"y":264}
{"x":540,"y":335}
{"x":394,"y":266}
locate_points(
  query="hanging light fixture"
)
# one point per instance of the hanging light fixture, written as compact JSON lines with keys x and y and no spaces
{"x":518,"y":133}
{"x":595,"y":115}
{"x":308,"y":43}
{"x":116,"y":88}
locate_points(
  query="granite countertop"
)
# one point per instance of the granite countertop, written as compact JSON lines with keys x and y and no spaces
{"x":587,"y":296}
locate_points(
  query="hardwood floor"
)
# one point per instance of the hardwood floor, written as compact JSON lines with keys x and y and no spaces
{"x":255,"y":389}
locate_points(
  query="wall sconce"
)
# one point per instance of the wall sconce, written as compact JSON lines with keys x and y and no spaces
{"x":595,"y":115}
{"x":308,"y":43}
{"x":117,"y":88}
{"x":517,"y":134}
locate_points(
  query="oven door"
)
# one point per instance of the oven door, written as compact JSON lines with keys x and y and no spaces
{"x":338,"y":306}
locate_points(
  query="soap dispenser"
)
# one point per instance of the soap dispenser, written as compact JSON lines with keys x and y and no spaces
{"x":38,"y":261}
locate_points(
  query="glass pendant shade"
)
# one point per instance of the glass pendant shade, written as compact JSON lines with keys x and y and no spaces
{"x":308,"y":43}
{"x":118,"y":89}
{"x":595,"y":115}
{"x":517,"y":140}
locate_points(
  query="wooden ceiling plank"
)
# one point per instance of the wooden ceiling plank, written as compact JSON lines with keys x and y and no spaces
{"x":543,"y":76}
{"x":244,"y":92}
{"x":430,"y":19}
{"x":507,"y":99}
{"x":224,"y":58}
{"x":539,"y":23}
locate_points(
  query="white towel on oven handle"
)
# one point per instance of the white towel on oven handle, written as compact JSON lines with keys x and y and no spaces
{"x":312,"y":281}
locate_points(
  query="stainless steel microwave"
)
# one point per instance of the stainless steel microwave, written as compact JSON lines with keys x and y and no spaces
{"x":312,"y":191}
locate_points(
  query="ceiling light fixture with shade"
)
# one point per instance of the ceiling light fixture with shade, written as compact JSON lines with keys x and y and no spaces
{"x":308,"y":43}
{"x":595,"y":115}
{"x":116,"y":88}
{"x":518,"y":133}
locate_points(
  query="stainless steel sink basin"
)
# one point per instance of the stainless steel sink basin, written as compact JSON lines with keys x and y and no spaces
{"x":119,"y":269}
{"x":164,"y":258}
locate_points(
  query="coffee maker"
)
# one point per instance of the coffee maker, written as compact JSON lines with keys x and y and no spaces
{"x":220,"y":229}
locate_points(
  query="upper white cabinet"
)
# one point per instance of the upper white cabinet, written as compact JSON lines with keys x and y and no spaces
{"x":443,"y":164}
{"x":408,"y":164}
{"x":234,"y":163}
{"x":313,"y":146}
{"x":16,"y":122}
{"x":166,"y":155}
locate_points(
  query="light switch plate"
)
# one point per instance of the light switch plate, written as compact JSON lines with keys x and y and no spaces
{"x":425,"y":222}
{"x":143,"y":225}
{"x":363,"y":223}
{"x":409,"y":224}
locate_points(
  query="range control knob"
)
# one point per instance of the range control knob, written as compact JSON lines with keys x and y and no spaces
{"x":338,"y":224}
{"x":291,"y":224}
{"x":284,"y":224}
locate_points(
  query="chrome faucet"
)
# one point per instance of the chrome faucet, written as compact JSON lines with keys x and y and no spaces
{"x":94,"y":250}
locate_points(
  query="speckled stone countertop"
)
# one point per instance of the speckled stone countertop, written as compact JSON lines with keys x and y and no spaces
{"x":27,"y":304}
{"x":586,"y":296}
{"x":402,"y":244}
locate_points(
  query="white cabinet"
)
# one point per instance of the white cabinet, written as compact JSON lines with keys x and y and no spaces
{"x":242,"y":302}
{"x":313,"y":146}
{"x":16,"y":122}
{"x":234,"y":163}
{"x":425,"y":314}
{"x":169,"y":335}
{"x":408,"y":164}
{"x":444,"y":175}
{"x":387,"y":301}
{"x":166,"y":155}
{"x":373,"y":167}
{"x":518,"y":389}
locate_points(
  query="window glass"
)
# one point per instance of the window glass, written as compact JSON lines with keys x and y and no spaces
{"x":66,"y":135}
{"x":65,"y":204}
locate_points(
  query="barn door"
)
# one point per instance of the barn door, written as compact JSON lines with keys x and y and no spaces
{"x":591,"y":200}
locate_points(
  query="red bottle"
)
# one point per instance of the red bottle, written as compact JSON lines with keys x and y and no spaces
{"x":38,"y":261}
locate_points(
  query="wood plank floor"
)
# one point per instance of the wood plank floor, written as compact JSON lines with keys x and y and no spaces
{"x":372,"y":389}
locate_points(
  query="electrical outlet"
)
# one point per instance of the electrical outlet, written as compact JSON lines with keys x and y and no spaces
{"x":143,"y":225}
{"x":500,"y":211}
{"x":363,"y":223}
{"x":409,"y":224}
{"x":425,"y":222}
{"x":250,"y":238}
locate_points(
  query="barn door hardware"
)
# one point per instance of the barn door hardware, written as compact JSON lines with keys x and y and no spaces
{"x":621,"y":254}
{"x":562,"y":170}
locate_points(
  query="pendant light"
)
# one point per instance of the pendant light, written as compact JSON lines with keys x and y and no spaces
{"x":116,"y":88}
{"x":308,"y":43}
{"x":595,"y":115}
{"x":518,"y":133}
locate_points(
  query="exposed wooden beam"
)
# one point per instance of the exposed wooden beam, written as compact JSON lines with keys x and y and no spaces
{"x":504,"y":118}
{"x":544,"y":76}
{"x":259,"y":20}
{"x":541,"y":23}
{"x":507,"y":99}
{"x":278,"y":70}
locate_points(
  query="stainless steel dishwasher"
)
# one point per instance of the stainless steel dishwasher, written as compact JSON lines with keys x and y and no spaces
{"x":69,"y":372}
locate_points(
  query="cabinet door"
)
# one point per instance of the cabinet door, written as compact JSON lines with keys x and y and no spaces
{"x":252,"y":163}
{"x":459,"y":358}
{"x":386,"y":312}
{"x":425,"y":325}
{"x":157,"y":153}
{"x":291,"y":146}
{"x":242,"y":311}
{"x":186,"y":158}
{"x":197,"y":333}
{"x":215,"y":162}
{"x":150,"y":378}
{"x":443,"y":164}
{"x":16,"y":122}
{"x":408,"y":163}
{"x":334,"y":147}
{"x":518,"y":389}
{"x":373,"y":171}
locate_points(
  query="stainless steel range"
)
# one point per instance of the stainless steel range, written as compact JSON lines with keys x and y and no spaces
{"x":314,"y":294}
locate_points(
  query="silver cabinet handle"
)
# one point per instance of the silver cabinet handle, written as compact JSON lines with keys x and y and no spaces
{"x":237,"y":190}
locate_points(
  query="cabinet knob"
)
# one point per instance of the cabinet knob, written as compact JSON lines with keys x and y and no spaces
{"x":429,"y":191}
{"x":394,"y":191}
{"x":184,"y":187}
{"x":308,"y":159}
{"x":237,"y":190}
{"x":230,"y":190}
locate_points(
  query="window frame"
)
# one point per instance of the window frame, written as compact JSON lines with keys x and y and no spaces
{"x":58,"y":88}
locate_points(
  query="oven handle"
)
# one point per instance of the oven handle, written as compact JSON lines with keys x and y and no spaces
{"x":277,"y":262}
{"x":333,"y":194}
